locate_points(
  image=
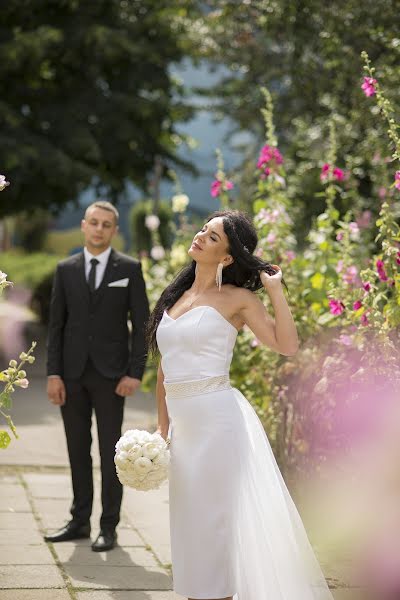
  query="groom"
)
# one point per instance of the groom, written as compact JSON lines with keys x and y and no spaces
{"x":94,"y":361}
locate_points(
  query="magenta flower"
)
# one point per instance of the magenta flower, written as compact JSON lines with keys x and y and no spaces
{"x":218,"y":186}
{"x":367,"y":286}
{"x":269,"y":155}
{"x":364,"y":319}
{"x":325,"y":171}
{"x":397,"y":180}
{"x":336,"y":307}
{"x":380,"y":267}
{"x":398,"y":258}
{"x":369,"y":86}
{"x":215,"y":188}
{"x":339,"y":236}
{"x":357,"y":304}
{"x":338,"y":174}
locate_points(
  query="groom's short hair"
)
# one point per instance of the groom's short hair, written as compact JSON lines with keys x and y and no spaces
{"x":105,"y":205}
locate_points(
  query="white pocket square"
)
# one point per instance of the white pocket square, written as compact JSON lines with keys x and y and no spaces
{"x":119,"y":283}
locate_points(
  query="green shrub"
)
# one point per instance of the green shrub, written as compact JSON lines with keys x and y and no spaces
{"x":141,"y":236}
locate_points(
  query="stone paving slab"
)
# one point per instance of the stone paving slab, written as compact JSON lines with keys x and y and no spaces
{"x":118,"y":578}
{"x":20,"y":537}
{"x":30,"y":576}
{"x":69,"y":554}
{"x":115,"y":595}
{"x":24,"y":521}
{"x":26,"y":555}
{"x":14,"y":502}
{"x":30,"y":594}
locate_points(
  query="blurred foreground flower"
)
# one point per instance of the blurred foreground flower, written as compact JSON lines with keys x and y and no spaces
{"x":157,"y":253}
{"x":180,"y":203}
{"x":3,"y":183}
{"x":152,"y":222}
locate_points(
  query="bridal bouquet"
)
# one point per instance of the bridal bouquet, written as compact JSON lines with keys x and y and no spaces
{"x":141,"y":459}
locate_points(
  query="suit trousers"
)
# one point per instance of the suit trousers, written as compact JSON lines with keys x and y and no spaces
{"x":93,"y":391}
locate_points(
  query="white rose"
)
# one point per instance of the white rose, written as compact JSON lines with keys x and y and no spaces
{"x":151,"y":450}
{"x":142,"y":465}
{"x":135,"y":452}
{"x":162,"y":459}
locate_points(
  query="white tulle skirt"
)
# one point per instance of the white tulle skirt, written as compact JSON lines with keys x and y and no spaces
{"x":235,"y":530}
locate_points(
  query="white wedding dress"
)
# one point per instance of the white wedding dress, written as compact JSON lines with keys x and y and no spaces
{"x":235,"y":530}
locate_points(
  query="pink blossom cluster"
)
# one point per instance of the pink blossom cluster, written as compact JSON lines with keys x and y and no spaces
{"x":397,"y":180}
{"x":380,"y":267}
{"x":269,"y":158}
{"x":218,"y":186}
{"x":336,"y":307}
{"x":265,"y":216}
{"x":328,"y":169}
{"x":369,"y":86}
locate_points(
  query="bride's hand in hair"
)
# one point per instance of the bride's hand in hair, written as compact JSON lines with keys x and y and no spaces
{"x":271,"y":282}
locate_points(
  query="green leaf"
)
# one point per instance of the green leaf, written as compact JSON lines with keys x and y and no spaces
{"x":5,"y":400}
{"x":4,"y":439}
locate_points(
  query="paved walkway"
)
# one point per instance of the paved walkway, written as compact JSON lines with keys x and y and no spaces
{"x":35,"y":494}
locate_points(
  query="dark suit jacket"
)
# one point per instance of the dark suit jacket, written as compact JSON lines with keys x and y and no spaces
{"x":95,"y":325}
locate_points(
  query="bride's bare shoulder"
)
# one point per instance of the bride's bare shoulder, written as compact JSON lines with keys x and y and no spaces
{"x":241,"y":297}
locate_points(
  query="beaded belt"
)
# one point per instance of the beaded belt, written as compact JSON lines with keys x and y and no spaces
{"x":181,"y":389}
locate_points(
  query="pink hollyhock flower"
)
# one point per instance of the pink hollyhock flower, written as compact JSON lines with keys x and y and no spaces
{"x":325,"y":171}
{"x":336,"y":307}
{"x":350,"y":275}
{"x":398,"y":258}
{"x":368,"y":86}
{"x":364,"y":319}
{"x":338,"y":174}
{"x":346,"y":340}
{"x":290,"y":255}
{"x":382,"y":193}
{"x":357,"y":304}
{"x":271,"y":237}
{"x":254,"y":343}
{"x":380,"y":267}
{"x":215,"y":188}
{"x":269,"y":154}
{"x":339,"y":266}
{"x":367,"y":286}
{"x":218,"y":186}
{"x":339,"y":236}
{"x":397,"y":180}
{"x":354,"y":231}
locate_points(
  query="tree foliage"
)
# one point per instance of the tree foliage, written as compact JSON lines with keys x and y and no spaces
{"x":87,"y":95}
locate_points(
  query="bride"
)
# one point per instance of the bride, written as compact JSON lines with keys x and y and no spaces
{"x":235,"y":532}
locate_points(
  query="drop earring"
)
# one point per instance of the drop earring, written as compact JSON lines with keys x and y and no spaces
{"x":218,"y":276}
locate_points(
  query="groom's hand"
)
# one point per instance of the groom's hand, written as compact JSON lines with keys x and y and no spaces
{"x":127,"y":386}
{"x":56,"y":390}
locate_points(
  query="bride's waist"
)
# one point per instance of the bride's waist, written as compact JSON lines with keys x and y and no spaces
{"x":178,"y":389}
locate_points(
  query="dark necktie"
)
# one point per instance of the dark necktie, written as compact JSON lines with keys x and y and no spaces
{"x":92,"y":274}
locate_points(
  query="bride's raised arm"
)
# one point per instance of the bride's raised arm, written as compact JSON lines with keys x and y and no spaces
{"x":278,"y":333}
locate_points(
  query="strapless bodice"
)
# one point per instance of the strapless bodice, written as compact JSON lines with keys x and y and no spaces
{"x":196,"y":345}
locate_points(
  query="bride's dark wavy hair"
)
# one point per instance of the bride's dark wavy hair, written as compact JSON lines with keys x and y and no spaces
{"x":244,"y":271}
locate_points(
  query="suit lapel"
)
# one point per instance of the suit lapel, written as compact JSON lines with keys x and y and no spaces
{"x":81,"y":282}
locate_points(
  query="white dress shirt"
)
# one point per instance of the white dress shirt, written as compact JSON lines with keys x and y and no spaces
{"x":100,"y":268}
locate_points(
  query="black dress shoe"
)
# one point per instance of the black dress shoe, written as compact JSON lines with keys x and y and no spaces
{"x":105,"y":540}
{"x":71,"y":531}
